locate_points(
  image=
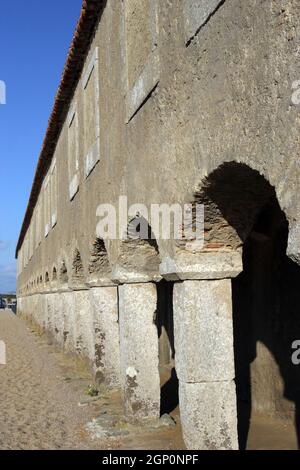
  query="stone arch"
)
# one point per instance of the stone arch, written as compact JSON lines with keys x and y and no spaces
{"x":47,"y":279}
{"x":78,"y":276}
{"x":232,"y":195}
{"x":99,"y":266}
{"x":63,"y":273}
{"x":243,"y":216}
{"x":138,"y":269}
{"x":54,"y":274}
{"x":139,"y":252}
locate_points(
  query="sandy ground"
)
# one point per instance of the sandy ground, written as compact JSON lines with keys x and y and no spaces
{"x":44,"y":405}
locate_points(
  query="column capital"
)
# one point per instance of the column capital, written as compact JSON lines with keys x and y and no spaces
{"x":100,"y":282}
{"x":203,"y":266}
{"x":122,"y":275}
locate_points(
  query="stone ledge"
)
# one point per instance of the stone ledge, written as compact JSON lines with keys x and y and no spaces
{"x":203,"y":331}
{"x":293,"y":249}
{"x":124,"y":276}
{"x":100,"y":282}
{"x":210,"y":265}
{"x":208,"y":415}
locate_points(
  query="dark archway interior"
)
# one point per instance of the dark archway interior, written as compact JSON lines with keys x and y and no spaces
{"x":165,"y":327}
{"x":266,"y":299}
{"x":242,"y":211}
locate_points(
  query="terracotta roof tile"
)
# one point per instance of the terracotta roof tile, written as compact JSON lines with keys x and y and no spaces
{"x":89,"y":18}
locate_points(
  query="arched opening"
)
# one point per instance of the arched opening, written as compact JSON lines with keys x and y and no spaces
{"x":63,"y":273}
{"x":242,"y":213}
{"x":99,"y":266}
{"x":77,"y":269}
{"x":140,"y":256}
{"x":47,"y":277}
{"x":54,"y":274}
{"x":139,"y":251}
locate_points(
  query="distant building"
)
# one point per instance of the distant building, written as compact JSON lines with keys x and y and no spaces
{"x":8,"y":301}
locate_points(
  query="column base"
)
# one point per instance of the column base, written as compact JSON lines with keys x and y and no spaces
{"x":104,"y":301}
{"x":139,"y":351}
{"x":208,"y":415}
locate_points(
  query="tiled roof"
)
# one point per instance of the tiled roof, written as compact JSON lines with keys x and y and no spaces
{"x":89,"y":17}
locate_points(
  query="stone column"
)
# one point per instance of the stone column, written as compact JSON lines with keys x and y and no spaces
{"x":58,"y":318}
{"x":204,"y":353}
{"x":49,"y":314}
{"x":104,"y":304}
{"x":32,"y":309}
{"x":37,"y":311}
{"x":139,"y":351}
{"x":205,"y":363}
{"x":84,"y":334}
{"x":19,"y":306}
{"x":44,"y":311}
{"x":68,"y":309}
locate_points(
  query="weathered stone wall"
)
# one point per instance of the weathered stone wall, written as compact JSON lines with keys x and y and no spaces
{"x":202,"y":86}
{"x":225,"y":97}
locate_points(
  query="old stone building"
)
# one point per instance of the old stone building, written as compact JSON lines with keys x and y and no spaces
{"x":167,"y":102}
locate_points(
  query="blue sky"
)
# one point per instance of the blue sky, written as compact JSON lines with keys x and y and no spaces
{"x":34,"y":41}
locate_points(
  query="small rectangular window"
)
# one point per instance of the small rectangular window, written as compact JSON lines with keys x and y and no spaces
{"x":142,"y":59}
{"x":20,"y":262}
{"x":53,"y":189}
{"x":91,"y":113}
{"x":31,"y":234}
{"x":47,"y":205}
{"x":26,"y":250}
{"x":38,"y":233}
{"x":73,"y":152}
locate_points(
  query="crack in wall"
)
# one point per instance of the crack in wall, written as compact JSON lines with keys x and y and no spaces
{"x":205,"y":22}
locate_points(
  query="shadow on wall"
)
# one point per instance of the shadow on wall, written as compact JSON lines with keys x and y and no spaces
{"x":266,"y":299}
{"x":165,"y":326}
{"x":241,"y":210}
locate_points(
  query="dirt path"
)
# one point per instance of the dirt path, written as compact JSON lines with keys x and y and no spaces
{"x":44,"y":405}
{"x":43,"y":401}
{"x":39,"y":404}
